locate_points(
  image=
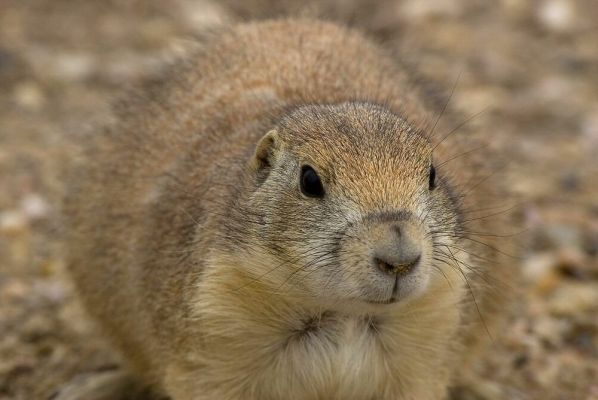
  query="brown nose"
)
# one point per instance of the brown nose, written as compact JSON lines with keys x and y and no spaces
{"x":399,"y":251}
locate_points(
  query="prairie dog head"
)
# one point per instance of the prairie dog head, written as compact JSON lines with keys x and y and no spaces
{"x":346,"y":208}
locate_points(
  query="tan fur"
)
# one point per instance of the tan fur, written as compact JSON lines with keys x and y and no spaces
{"x":193,"y":248}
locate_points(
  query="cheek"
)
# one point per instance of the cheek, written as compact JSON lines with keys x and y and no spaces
{"x":355,"y":269}
{"x":444,"y":256}
{"x":335,"y":283}
{"x":326,"y":270}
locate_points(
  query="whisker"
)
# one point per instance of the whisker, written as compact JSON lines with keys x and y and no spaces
{"x":455,"y":129}
{"x":445,"y":105}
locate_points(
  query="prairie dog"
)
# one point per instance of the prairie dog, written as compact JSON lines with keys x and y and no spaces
{"x":275,"y":219}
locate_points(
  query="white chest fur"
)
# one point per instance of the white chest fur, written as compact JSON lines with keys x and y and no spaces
{"x":251,"y":347}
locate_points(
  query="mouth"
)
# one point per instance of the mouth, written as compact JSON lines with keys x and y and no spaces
{"x":393,"y":298}
{"x":401,"y":291}
{"x":390,"y":300}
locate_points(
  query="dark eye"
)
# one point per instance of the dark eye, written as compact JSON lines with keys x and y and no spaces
{"x":311,"y":185}
{"x":432,"y":178}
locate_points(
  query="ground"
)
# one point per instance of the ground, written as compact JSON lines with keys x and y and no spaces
{"x":531,"y":65}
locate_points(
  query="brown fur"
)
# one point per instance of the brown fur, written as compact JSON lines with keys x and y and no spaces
{"x":192,"y":247}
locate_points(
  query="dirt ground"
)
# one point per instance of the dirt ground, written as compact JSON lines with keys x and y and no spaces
{"x":533,"y":65}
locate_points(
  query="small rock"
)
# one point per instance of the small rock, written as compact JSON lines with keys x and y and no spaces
{"x":552,"y":88}
{"x":570,"y":181}
{"x":550,"y":329}
{"x":570,"y":262}
{"x":563,"y":235}
{"x":582,"y":338}
{"x":14,"y":290}
{"x":29,"y":96}
{"x":34,"y":206}
{"x":74,"y":66}
{"x":574,"y":298}
{"x":557,"y":15}
{"x":423,"y":9}
{"x":199,"y":15}
{"x":50,"y":291}
{"x":13,"y":222}
{"x":538,"y":266}
{"x":548,"y":283}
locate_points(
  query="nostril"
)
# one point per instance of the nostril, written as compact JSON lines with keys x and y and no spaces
{"x":413,"y":263}
{"x":397,"y":230}
{"x":384,"y":266}
{"x":402,"y":267}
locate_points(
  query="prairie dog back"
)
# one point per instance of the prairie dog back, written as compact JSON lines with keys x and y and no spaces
{"x":275,"y":219}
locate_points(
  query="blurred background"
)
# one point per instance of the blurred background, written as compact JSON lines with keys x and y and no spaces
{"x":532,"y":64}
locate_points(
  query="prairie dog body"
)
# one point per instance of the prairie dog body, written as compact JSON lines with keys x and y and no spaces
{"x":273,"y":221}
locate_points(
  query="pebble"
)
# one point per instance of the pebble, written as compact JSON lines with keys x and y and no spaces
{"x":65,"y":66}
{"x":201,"y":14}
{"x":127,"y":67}
{"x":34,"y":206}
{"x":570,"y":181}
{"x":582,"y":339}
{"x":423,"y":9}
{"x":571,"y":263}
{"x":538,"y":266}
{"x":29,"y":96}
{"x":14,"y":290}
{"x":550,"y":329}
{"x":553,"y":89}
{"x":573,"y":298}
{"x":557,"y":15}
{"x":13,"y":222}
{"x":50,"y":291}
{"x":561,"y":235}
{"x":74,"y":66}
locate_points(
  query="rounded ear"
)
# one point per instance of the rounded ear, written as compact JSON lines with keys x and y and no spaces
{"x":265,"y":150}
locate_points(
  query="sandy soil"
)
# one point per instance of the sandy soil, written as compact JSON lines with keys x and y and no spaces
{"x":533,"y":65}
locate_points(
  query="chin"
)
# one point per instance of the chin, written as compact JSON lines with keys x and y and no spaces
{"x":373,"y":299}
{"x":403,"y":295}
